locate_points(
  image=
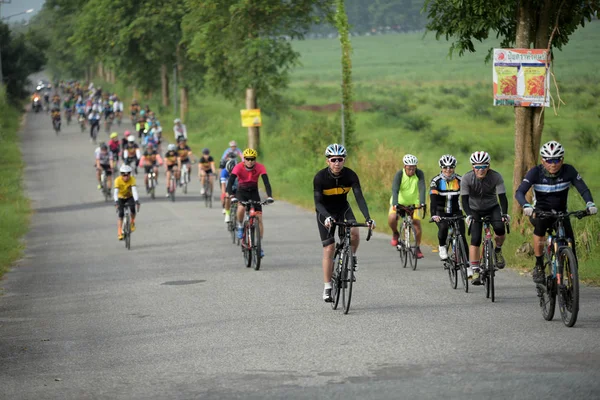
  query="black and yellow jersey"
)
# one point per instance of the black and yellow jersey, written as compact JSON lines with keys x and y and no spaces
{"x":171,"y":157}
{"x":184,"y":152}
{"x":331,"y":192}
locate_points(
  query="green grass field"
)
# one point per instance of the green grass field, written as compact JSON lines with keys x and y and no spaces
{"x":14,"y":207}
{"x":421,"y":102}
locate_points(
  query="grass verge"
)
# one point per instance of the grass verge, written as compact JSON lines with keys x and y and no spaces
{"x":14,"y":206}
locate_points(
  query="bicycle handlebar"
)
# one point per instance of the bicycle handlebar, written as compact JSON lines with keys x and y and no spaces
{"x":450,"y":218}
{"x":355,"y":225}
{"x":250,"y":202}
{"x":560,"y":214}
{"x":488,"y":220}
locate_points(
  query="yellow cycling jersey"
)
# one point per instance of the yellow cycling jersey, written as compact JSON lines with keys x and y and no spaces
{"x":124,"y":187}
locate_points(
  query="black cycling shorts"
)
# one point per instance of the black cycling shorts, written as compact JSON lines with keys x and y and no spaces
{"x":170,"y":167}
{"x":245,"y":195}
{"x":107,"y":169}
{"x":150,"y":168}
{"x":126,"y":202}
{"x":328,"y":235}
{"x":495,"y":213}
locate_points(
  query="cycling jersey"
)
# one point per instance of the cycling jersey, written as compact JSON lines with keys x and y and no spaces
{"x":171,"y":158}
{"x":103,"y":157}
{"x":204,"y":163}
{"x":183,"y":153}
{"x":124,"y":190}
{"x":132,"y":151}
{"x":180,"y":130}
{"x":114,"y":146}
{"x":482,"y":194}
{"x":444,"y":195}
{"x":408,"y":190}
{"x":248,"y":178}
{"x":150,"y":158}
{"x":551,"y":192}
{"x":331,"y":192}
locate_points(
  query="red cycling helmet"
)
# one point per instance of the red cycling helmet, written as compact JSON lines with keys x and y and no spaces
{"x":127,"y":133}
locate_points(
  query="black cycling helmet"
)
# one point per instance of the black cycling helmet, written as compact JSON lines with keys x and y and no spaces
{"x":103,"y":146}
{"x":181,"y":139}
{"x":230,"y":164}
{"x":205,"y":151}
{"x":232,"y":155}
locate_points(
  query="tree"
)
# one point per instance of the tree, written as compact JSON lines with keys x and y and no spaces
{"x":341,"y":22}
{"x":245,"y":47}
{"x":521,"y":24}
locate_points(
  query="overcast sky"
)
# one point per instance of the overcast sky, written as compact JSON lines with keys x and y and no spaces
{"x":17,"y":6}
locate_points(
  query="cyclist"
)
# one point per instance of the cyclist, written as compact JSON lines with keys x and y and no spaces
{"x":444,"y":192}
{"x":118,"y":108}
{"x":331,"y":187}
{"x":125,"y":195}
{"x":68,"y":107}
{"x":480,"y":190}
{"x":94,"y":118}
{"x":124,"y":141}
{"x":232,"y":149}
{"x":150,"y":161}
{"x":247,"y":174}
{"x":185,"y":153}
{"x":225,"y":198}
{"x":80,"y":108}
{"x":132,"y":153}
{"x":551,"y":181}
{"x":104,"y":161}
{"x":408,"y":188}
{"x":206,"y":169}
{"x":107,"y":110}
{"x":114,"y":146}
{"x":142,"y":125}
{"x":55,"y":116}
{"x":179,"y":130}
{"x":134,"y":109}
{"x":171,"y":164}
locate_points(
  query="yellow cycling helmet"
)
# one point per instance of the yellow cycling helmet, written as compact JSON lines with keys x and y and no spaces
{"x":250,"y":153}
{"x":114,"y":135}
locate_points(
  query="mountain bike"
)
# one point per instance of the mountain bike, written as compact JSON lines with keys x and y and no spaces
{"x":562,"y":275}
{"x":152,"y":183}
{"x":250,"y":242}
{"x":407,"y":242}
{"x":231,"y":223}
{"x":458,"y":258}
{"x":487,"y":265}
{"x":343,"y":265}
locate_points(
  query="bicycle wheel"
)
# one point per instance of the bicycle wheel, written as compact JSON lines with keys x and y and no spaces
{"x":336,"y":280}
{"x":172,"y":188}
{"x":126,"y":231}
{"x":451,"y":263}
{"x":568,"y":289}
{"x":463,"y":263}
{"x":489,"y":266}
{"x":348,"y":265}
{"x":547,"y":295}
{"x":412,"y":250}
{"x":246,"y":246}
{"x":256,"y":245}
{"x":403,"y":256}
{"x":206,"y":195}
{"x":210,"y":196}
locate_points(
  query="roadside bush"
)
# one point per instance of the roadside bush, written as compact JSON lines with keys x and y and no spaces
{"x":417,"y":122}
{"x":587,"y":138}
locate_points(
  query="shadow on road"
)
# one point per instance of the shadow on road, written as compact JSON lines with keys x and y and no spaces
{"x":74,"y":207}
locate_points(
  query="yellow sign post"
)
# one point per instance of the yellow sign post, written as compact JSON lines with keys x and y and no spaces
{"x":251,"y":118}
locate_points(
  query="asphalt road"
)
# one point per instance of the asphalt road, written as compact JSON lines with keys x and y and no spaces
{"x":179,"y":317}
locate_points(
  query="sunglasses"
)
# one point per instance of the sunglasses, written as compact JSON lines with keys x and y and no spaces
{"x":480,"y":167}
{"x":553,"y":160}
{"x":122,"y":174}
{"x":250,"y":159}
{"x":447,"y":167}
{"x":337,"y":160}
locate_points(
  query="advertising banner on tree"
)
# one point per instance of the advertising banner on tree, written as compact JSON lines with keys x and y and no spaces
{"x":251,"y":118}
{"x":521,"y":78}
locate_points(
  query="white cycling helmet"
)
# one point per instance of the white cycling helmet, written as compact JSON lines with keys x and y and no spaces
{"x":125,"y":169}
{"x":409,"y":159}
{"x":447,"y":160}
{"x":130,"y":138}
{"x":335,"y":150}
{"x":480,"y":157}
{"x":171,"y":147}
{"x":176,"y":121}
{"x":230,"y":164}
{"x":552,"y":149}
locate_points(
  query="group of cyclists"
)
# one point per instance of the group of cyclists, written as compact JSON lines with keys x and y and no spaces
{"x":479,"y":193}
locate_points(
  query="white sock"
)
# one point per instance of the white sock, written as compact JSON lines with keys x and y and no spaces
{"x":328,"y":285}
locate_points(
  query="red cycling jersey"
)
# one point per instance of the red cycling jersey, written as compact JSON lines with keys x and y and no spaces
{"x":248,"y":178}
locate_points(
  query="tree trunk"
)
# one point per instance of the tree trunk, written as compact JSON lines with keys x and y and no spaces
{"x":253,"y":131}
{"x":183,"y":91}
{"x":164,"y":76}
{"x":523,"y":115}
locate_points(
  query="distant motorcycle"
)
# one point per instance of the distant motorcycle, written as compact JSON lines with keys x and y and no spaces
{"x":36,"y":105}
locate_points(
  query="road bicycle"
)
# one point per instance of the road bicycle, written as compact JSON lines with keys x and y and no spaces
{"x":344,"y":262}
{"x":487,"y":266}
{"x":407,"y":242}
{"x":251,"y":241}
{"x":127,"y":226}
{"x":185,"y":177}
{"x":231,"y":223}
{"x":458,"y":258}
{"x":94,"y":129}
{"x":172,"y":186}
{"x":56,"y":125}
{"x":82,"y":122}
{"x":105,"y":189}
{"x":68,"y":114}
{"x":207,"y":192}
{"x":562,"y":275}
{"x":152,"y":183}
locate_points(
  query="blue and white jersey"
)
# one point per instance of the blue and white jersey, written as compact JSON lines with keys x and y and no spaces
{"x":552,"y":192}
